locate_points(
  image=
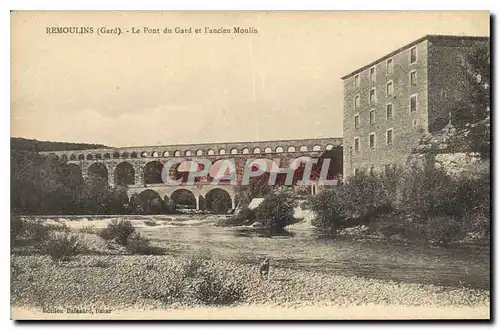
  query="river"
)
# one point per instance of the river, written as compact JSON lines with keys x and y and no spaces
{"x":462,"y":265}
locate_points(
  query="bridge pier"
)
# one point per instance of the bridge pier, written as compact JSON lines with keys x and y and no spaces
{"x":138,"y":175}
{"x":111,"y":178}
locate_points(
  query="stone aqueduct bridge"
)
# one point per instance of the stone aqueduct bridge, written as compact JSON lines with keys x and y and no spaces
{"x":133,"y":166}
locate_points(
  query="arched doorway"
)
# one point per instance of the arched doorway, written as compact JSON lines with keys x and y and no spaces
{"x":218,"y":200}
{"x":98,"y":170}
{"x":152,"y":172}
{"x":124,"y":174}
{"x":183,"y":199}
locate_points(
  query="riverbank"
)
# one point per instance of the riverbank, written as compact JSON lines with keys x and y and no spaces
{"x":122,"y":282}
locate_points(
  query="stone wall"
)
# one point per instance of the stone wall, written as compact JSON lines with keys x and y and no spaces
{"x":406,"y":126}
{"x":456,"y":163}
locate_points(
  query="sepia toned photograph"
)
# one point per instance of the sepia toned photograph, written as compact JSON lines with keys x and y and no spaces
{"x":250,"y":165}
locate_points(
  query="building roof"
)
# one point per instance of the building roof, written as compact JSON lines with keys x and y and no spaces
{"x":413,"y":43}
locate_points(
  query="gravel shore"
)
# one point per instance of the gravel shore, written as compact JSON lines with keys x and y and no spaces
{"x":122,"y":282}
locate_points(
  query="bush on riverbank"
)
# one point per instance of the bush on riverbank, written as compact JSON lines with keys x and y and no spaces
{"x":125,"y":234}
{"x":28,"y":232}
{"x":138,"y":244}
{"x":32,"y":236}
{"x":62,"y":246}
{"x":327,"y":210}
{"x":245,"y":216}
{"x":118,"y":231}
{"x":276,"y":211}
{"x":417,"y":204}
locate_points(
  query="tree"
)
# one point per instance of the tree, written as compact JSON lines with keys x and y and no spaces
{"x":327,"y":207}
{"x":94,"y":195}
{"x":118,"y":200}
{"x":276,"y":212}
{"x":473,"y":112}
{"x":257,"y":187}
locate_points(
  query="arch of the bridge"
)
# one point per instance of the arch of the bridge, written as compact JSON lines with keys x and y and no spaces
{"x":199,"y":193}
{"x":141,"y":171}
{"x":202,"y":150}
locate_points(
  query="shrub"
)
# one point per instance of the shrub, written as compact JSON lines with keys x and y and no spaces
{"x":212,"y":287}
{"x":366,"y":196}
{"x":118,"y":230}
{"x":138,"y":244}
{"x":63,"y":246}
{"x":275,"y":211}
{"x":424,"y":192}
{"x":443,"y":229}
{"x":244,"y":216}
{"x":326,"y":206}
{"x":31,"y":232}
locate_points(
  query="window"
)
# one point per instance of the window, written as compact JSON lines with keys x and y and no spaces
{"x":372,"y":95}
{"x":413,"y":78}
{"x":372,"y":170}
{"x":388,"y":111}
{"x":372,"y":140}
{"x":356,"y":81}
{"x":442,"y":95}
{"x":388,"y":137}
{"x":372,"y":117}
{"x":389,"y":89}
{"x":413,"y":103}
{"x":387,"y":168}
{"x":356,"y":144}
{"x":413,"y":55}
{"x":356,"y":172}
{"x":356,"y":121}
{"x":356,"y":101}
{"x":389,"y":66}
{"x":372,"y":74}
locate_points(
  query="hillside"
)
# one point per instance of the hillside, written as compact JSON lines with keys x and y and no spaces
{"x":37,"y":146}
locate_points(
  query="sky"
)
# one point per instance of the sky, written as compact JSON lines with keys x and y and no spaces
{"x":283,"y":82}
